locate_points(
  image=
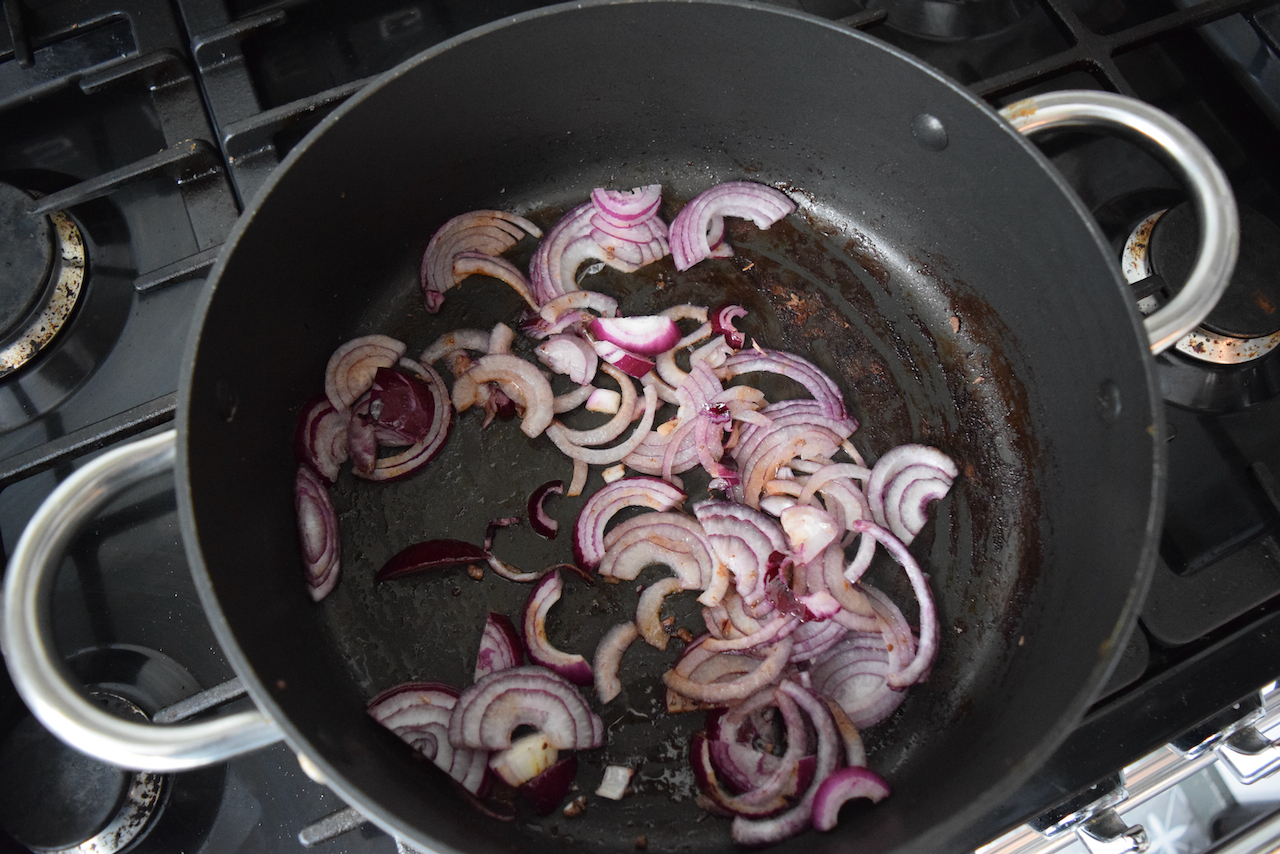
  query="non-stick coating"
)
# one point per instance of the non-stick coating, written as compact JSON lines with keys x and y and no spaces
{"x":957,"y":293}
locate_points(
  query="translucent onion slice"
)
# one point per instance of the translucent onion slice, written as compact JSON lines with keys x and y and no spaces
{"x":608,"y":501}
{"x":534,"y":628}
{"x":418,"y":713}
{"x":607,"y":662}
{"x":485,"y":232}
{"x":521,"y":381}
{"x":842,"y":786}
{"x":500,"y":647}
{"x":692,"y":229}
{"x":488,"y":712}
{"x":352,"y":366}
{"x":317,"y":533}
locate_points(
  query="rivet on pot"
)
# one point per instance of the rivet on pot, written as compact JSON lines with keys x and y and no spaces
{"x":929,"y":131}
{"x":1108,"y":401}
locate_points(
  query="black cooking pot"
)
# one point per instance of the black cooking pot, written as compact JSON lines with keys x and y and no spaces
{"x":938,"y":269}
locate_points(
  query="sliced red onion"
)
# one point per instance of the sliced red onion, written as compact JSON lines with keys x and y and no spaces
{"x":902,"y":484}
{"x":809,"y":375}
{"x":615,"y":781}
{"x":418,"y":713}
{"x":430,"y":554}
{"x":690,"y":230}
{"x":424,"y":450}
{"x":484,"y":232}
{"x":458,"y":340}
{"x":560,"y":253}
{"x":320,"y":439}
{"x":842,"y":786}
{"x":809,"y":531}
{"x":574,"y":301}
{"x":546,"y":791}
{"x":611,"y":429}
{"x":626,"y":207}
{"x":722,"y":323}
{"x":466,"y":264}
{"x":605,"y":401}
{"x":500,"y":647}
{"x":855,"y":753}
{"x":642,"y":335}
{"x":401,"y":406}
{"x":604,"y":456}
{"x":600,"y":508}
{"x":490,"y":710}
{"x":569,"y":355}
{"x":852,"y":674}
{"x":521,"y":381}
{"x":648,"y":610}
{"x":928,"y":646}
{"x":543,"y":524}
{"x":526,"y":758}
{"x":633,"y":364}
{"x":769,"y":671}
{"x":669,"y":538}
{"x":317,"y":533}
{"x":607,"y":662}
{"x":352,"y":366}
{"x":755,"y":832}
{"x":534,"y":624}
{"x":768,"y":784}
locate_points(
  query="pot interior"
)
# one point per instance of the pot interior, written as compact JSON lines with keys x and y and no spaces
{"x":957,"y":294}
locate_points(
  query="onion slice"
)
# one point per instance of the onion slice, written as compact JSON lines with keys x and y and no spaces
{"x":418,"y":713}
{"x":490,"y":710}
{"x":500,"y":647}
{"x":694,"y":230}
{"x":320,"y":439}
{"x":317,"y":533}
{"x":430,"y":554}
{"x":543,"y":524}
{"x":642,"y":335}
{"x":534,"y":625}
{"x":608,"y":659}
{"x":842,"y":786}
{"x":352,"y":366}
{"x":588,"y":530}
{"x":521,"y":381}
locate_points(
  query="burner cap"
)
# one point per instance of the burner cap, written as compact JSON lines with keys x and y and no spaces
{"x":26,"y":256}
{"x":1250,"y":308}
{"x":53,"y":797}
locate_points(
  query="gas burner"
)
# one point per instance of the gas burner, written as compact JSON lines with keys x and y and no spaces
{"x":67,"y":284}
{"x":1229,"y":362}
{"x":952,"y":20}
{"x":56,"y":799}
{"x":41,"y":274}
{"x":1245,"y":324}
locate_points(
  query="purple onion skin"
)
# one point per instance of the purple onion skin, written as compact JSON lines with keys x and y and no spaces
{"x":408,"y":408}
{"x":537,"y":511}
{"x":509,"y":636}
{"x":431,"y":554}
{"x":547,"y":791}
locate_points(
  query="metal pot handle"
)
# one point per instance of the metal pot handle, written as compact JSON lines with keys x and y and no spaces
{"x":42,"y":678}
{"x":1184,"y":153}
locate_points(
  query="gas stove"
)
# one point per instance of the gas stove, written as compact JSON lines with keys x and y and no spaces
{"x":133,"y":133}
